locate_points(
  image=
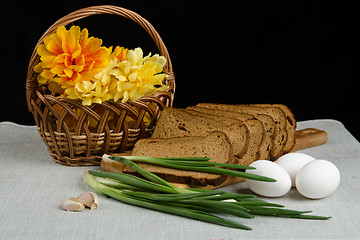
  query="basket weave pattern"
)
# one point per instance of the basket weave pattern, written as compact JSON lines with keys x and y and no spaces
{"x":119,"y":125}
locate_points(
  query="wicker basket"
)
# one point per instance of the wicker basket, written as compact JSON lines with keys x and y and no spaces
{"x":81,"y":145}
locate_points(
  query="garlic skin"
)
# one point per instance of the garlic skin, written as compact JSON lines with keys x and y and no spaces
{"x":89,"y":199}
{"x":73,"y":206}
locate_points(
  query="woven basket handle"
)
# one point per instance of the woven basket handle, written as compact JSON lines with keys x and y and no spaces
{"x":31,"y":82}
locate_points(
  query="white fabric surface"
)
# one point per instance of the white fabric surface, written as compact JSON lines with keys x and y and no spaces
{"x":32,"y":188}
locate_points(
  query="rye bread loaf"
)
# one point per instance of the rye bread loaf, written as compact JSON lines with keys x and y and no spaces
{"x":256,"y":134}
{"x":290,"y":124}
{"x":276,"y":113}
{"x":216,"y":146}
{"x":174,"y":122}
{"x":255,"y":126}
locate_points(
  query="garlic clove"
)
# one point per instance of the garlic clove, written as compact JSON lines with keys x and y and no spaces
{"x":73,"y":199}
{"x":89,"y":199}
{"x":71,"y":205}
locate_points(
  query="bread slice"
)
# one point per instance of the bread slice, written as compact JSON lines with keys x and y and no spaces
{"x":174,"y":122}
{"x":290,"y":124}
{"x":256,"y":127}
{"x":276,"y":113}
{"x":256,"y":132}
{"x":216,"y":146}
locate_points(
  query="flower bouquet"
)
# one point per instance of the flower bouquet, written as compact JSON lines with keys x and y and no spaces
{"x":88,"y":99}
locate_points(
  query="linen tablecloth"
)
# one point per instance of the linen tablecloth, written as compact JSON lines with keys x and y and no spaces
{"x":32,"y":188}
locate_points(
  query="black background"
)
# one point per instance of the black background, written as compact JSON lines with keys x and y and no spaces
{"x":293,"y":53}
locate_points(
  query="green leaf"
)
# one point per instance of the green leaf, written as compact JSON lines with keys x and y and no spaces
{"x":169,"y":197}
{"x":273,"y":211}
{"x":258,"y":203}
{"x":187,"y":158}
{"x":200,"y":164}
{"x":310,"y":217}
{"x":219,"y":206}
{"x":227,"y":195}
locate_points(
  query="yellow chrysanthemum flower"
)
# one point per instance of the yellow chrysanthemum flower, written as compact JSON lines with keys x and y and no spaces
{"x":68,"y":57}
{"x":120,"y":53}
{"x":139,"y":76}
{"x":129,"y":76}
{"x":78,"y":67}
{"x":97,"y":90}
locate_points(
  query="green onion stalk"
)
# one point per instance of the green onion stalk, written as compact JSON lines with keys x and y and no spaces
{"x":155,"y":193}
{"x":199,"y":164}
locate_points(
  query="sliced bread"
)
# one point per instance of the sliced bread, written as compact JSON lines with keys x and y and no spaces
{"x":256,"y":133}
{"x":276,"y":113}
{"x":290,"y":124}
{"x":216,"y":146}
{"x":255,"y":126}
{"x":174,"y":122}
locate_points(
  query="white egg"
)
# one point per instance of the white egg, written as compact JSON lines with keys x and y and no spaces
{"x":293,"y":162}
{"x":318,"y":179}
{"x":269,"y":169}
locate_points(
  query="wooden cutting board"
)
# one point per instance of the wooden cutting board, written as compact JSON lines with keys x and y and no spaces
{"x":305,"y":138}
{"x":309,"y":137}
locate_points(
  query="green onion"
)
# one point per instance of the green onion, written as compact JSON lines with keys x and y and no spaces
{"x":151,"y":176}
{"x":200,"y":204}
{"x":246,"y":204}
{"x":187,"y":158}
{"x":311,"y":217}
{"x":265,"y":211}
{"x":168,"y":197}
{"x":194,"y":167}
{"x":226,"y":195}
{"x":191,"y":161}
{"x":197,"y":159}
{"x":185,"y":212}
{"x":116,"y":184}
{"x":134,"y":181}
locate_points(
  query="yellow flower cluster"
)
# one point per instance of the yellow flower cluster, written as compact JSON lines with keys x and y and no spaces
{"x":78,"y":67}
